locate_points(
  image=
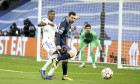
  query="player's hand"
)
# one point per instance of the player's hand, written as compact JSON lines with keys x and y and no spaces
{"x":58,"y":47}
{"x":73,"y":28}
{"x":52,"y":24}
{"x":77,"y":55}
{"x":100,"y":49}
{"x":77,"y":17}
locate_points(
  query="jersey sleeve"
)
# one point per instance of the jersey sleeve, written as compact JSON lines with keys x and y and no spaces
{"x":61,"y":29}
{"x":45,"y":20}
{"x":95,"y":37}
{"x":98,"y":43}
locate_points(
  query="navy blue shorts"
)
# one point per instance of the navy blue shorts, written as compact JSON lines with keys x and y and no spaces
{"x":64,"y":49}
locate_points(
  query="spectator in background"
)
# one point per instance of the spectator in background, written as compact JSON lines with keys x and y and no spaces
{"x":29,"y":29}
{"x":14,"y":31}
{"x":0,"y":33}
{"x":76,"y":35}
{"x":72,"y":36}
{"x":5,"y":33}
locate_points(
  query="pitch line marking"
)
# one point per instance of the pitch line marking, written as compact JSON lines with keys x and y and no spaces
{"x":54,"y":72}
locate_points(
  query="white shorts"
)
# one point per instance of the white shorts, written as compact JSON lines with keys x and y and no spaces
{"x":49,"y":46}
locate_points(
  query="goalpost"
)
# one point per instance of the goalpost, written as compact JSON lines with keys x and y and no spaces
{"x":128,"y":34}
{"x":39,"y":30}
{"x":121,"y":24}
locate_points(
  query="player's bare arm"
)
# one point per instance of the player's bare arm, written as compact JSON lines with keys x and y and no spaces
{"x":58,"y":47}
{"x":77,"y":17}
{"x":52,"y":24}
{"x":44,"y":24}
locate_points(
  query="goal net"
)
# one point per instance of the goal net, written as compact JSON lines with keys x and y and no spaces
{"x":129,"y":28}
{"x":116,"y":22}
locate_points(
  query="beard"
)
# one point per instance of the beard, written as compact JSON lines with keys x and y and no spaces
{"x":72,"y":22}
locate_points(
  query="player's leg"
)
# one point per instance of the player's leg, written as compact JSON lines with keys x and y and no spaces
{"x":83,"y":55}
{"x":49,"y":75}
{"x":92,"y":45}
{"x":49,"y":46}
{"x":65,"y":68}
{"x":68,"y":53}
{"x":49,"y":62}
{"x":43,"y":69}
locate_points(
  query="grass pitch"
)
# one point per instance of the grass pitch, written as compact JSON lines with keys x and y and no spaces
{"x":25,"y":70}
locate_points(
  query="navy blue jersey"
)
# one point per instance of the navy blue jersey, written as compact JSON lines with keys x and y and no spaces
{"x":62,"y":34}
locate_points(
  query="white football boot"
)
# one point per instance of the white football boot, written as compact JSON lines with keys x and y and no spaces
{"x":94,"y":65}
{"x":82,"y":65}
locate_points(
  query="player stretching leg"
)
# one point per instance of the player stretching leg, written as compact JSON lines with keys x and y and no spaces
{"x":88,"y":36}
{"x":66,"y":51}
{"x":49,"y":29}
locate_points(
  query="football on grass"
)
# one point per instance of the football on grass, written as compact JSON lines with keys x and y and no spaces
{"x":107,"y":73}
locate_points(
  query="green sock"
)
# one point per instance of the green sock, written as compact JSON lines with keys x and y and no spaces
{"x":93,"y":57}
{"x":83,"y":55}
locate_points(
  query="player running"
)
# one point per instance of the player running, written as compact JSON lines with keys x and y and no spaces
{"x":88,"y":36}
{"x":65,"y":50}
{"x":49,"y":29}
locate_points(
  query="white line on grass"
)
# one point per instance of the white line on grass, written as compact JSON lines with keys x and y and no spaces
{"x":38,"y":72}
{"x":14,"y":58}
{"x":16,"y":71}
{"x":55,"y":72}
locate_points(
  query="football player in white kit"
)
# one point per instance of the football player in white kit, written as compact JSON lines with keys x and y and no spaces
{"x":49,"y":29}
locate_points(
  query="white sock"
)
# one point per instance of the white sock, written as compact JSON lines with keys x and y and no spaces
{"x":49,"y":62}
{"x":64,"y":75}
{"x":52,"y":71}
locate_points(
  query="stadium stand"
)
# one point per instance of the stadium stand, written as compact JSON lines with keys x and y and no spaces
{"x":29,"y":9}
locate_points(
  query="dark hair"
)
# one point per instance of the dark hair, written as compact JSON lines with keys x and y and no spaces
{"x":88,"y":25}
{"x":51,"y":11}
{"x":72,"y":13}
{"x":14,"y":24}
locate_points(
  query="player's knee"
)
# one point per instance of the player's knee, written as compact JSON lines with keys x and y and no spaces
{"x":72,"y":53}
{"x":51,"y":52}
{"x":65,"y":61}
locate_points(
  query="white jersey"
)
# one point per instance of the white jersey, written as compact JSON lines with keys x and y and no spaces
{"x":48,"y":31}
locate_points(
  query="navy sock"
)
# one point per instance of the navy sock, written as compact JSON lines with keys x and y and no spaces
{"x":64,"y":66}
{"x":63,"y":57}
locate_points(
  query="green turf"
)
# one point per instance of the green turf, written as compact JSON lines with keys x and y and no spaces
{"x":25,"y":70}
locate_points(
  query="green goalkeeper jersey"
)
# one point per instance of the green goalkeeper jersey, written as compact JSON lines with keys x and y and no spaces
{"x":89,"y":37}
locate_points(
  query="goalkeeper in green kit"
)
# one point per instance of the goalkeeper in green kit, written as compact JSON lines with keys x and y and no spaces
{"x":88,"y":36}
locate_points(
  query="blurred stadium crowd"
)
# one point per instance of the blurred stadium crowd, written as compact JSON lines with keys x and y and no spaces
{"x":19,"y":18}
{"x":28,"y":30}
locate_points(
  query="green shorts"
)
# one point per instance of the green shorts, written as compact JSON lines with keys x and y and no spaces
{"x":92,"y":43}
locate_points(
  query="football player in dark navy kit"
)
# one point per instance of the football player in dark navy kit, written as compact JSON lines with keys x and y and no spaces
{"x":61,"y":45}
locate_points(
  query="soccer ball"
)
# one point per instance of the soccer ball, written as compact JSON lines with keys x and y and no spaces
{"x":107,"y":73}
